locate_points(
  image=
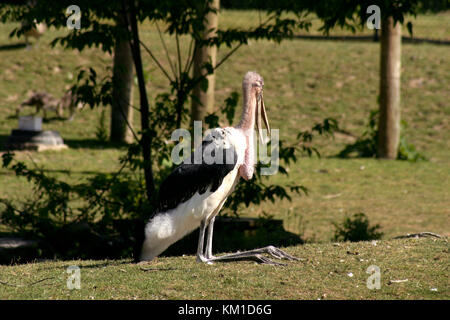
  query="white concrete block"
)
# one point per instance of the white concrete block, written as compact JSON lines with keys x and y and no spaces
{"x":30,"y":123}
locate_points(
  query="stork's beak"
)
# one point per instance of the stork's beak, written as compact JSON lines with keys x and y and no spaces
{"x":261,"y":112}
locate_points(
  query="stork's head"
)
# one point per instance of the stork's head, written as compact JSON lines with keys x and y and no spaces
{"x":253,"y":83}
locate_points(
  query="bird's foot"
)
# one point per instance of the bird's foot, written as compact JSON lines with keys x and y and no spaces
{"x":202,"y":258}
{"x":252,"y":255}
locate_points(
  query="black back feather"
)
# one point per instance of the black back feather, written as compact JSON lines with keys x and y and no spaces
{"x":189,"y":178}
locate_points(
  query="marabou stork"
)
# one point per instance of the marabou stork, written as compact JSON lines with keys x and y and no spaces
{"x":193,"y":194}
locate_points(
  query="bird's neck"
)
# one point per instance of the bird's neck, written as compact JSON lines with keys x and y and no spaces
{"x":247,"y":123}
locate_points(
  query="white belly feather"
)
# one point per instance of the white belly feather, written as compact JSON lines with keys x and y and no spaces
{"x":168,"y":227}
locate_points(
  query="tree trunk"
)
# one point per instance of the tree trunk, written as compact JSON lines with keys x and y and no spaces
{"x":121,"y":111}
{"x":390,"y":71}
{"x":205,"y":99}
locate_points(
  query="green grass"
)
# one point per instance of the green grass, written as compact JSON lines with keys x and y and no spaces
{"x":325,"y":271}
{"x":305,"y":81}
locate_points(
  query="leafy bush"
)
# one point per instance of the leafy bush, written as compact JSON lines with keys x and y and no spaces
{"x":356,"y":229}
{"x":366,"y":145}
{"x":100,"y":218}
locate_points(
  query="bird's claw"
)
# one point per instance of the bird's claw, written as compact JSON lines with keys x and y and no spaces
{"x":280,"y":254}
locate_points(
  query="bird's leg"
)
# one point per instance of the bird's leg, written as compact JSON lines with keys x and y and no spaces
{"x":200,"y":256}
{"x":254,"y":255}
{"x":208,"y":250}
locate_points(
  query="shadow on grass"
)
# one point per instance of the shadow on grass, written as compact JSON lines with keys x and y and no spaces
{"x":93,"y":144}
{"x":405,"y":39}
{"x":44,"y":120}
{"x":77,"y":144}
{"x":65,"y":172}
{"x":14,"y":46}
{"x":239,"y":234}
{"x":109,"y":263}
{"x":87,"y":242}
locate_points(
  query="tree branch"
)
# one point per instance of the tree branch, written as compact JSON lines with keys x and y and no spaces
{"x":166,"y":50}
{"x":146,"y":141}
{"x":156,"y":61}
{"x":419,"y":235}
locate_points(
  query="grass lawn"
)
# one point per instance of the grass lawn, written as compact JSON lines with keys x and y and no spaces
{"x":305,"y":81}
{"x":409,"y":269}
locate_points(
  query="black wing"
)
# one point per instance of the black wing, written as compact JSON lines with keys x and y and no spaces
{"x":187,"y":178}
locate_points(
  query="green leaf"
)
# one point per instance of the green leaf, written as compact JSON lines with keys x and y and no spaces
{"x":410,"y":28}
{"x":7,"y":158}
{"x":204,"y":84}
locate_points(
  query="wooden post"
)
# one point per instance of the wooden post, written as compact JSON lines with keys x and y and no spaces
{"x":205,"y":103}
{"x":121,"y":111}
{"x":390,"y":73}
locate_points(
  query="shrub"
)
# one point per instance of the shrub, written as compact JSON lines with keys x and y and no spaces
{"x":366,"y":145}
{"x":356,"y":229}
